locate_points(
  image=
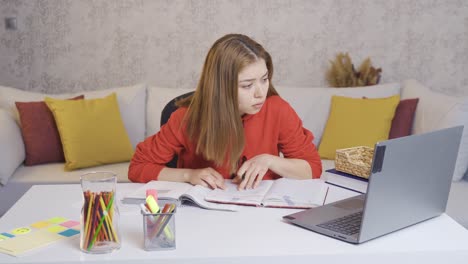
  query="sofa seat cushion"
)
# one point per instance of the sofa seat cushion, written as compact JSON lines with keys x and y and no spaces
{"x":53,"y":173}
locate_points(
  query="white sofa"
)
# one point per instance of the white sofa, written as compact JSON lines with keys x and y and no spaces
{"x":141,"y":107}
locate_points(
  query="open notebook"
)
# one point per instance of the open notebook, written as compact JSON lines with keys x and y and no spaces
{"x":283,"y":192}
{"x":180,"y":191}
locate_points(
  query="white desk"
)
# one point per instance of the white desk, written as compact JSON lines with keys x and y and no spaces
{"x":252,"y":235}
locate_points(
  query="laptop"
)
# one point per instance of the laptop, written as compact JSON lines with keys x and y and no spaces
{"x":409,"y":183}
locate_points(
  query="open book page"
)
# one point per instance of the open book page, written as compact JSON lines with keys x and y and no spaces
{"x":183,"y":192}
{"x":296,"y":193}
{"x":233,"y":196}
{"x":166,"y":190}
{"x":197,"y":194}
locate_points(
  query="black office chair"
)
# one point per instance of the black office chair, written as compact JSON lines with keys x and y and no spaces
{"x":165,"y":114}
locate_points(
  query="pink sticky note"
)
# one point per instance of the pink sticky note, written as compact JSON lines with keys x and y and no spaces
{"x":152,"y":192}
{"x":70,"y":223}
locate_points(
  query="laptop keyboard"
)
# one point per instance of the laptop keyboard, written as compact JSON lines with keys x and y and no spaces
{"x":348,"y":225}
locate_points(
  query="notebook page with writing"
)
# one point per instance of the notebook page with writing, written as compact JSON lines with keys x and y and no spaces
{"x":293,"y":193}
{"x":244,"y":197}
{"x":197,"y":195}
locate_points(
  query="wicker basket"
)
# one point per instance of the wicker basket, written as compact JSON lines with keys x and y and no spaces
{"x":356,"y":161}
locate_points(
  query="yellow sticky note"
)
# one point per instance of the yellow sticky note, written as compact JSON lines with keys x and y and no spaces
{"x":153,"y":205}
{"x":56,"y":229}
{"x":21,"y":244}
{"x":41,"y":224}
{"x":57,"y":220}
{"x":21,"y":230}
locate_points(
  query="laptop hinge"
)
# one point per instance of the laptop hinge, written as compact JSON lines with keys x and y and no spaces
{"x":378,"y":160}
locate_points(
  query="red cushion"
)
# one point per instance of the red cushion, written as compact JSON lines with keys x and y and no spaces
{"x":40,"y":135}
{"x":403,"y":119}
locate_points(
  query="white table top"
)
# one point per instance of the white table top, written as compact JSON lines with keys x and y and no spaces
{"x":252,"y":235}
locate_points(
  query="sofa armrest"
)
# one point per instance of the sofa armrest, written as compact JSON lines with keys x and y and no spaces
{"x":12,"y":152}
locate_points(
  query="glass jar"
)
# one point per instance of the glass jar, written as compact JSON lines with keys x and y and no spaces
{"x":99,"y":214}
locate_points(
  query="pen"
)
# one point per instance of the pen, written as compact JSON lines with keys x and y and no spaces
{"x":166,"y":222}
{"x":160,"y":225}
{"x":144,"y":209}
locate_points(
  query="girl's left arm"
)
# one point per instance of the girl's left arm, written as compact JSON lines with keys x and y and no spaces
{"x":291,"y":168}
{"x":301,"y":159}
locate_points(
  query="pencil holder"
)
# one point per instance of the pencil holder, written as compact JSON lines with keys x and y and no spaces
{"x":99,"y":214}
{"x":159,"y":230}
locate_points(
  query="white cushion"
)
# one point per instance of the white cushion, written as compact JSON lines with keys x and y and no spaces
{"x":132,"y":104}
{"x":313,"y":104}
{"x":8,"y":97}
{"x":158,"y":97}
{"x":12,"y":152}
{"x":437,"y":111}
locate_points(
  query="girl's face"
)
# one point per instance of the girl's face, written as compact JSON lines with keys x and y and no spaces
{"x":253,"y":87}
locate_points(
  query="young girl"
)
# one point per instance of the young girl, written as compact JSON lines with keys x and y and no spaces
{"x":234,"y":126}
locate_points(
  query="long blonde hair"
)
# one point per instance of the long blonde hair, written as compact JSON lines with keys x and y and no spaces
{"x":213,"y":119}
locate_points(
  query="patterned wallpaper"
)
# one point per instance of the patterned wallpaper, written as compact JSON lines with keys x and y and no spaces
{"x":66,"y":45}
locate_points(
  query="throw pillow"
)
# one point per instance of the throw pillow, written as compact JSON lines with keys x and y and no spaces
{"x":40,"y":135}
{"x":132,"y":104}
{"x":313,"y":104}
{"x":403,"y":119}
{"x":356,"y":122}
{"x":92,"y":131}
{"x":12,"y":147}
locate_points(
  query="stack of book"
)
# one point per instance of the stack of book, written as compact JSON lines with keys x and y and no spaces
{"x":346,"y":180}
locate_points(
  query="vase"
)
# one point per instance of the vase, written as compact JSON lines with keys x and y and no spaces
{"x":99,"y":214}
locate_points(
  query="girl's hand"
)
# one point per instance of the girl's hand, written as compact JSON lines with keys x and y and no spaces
{"x":252,"y":171}
{"x":207,"y":177}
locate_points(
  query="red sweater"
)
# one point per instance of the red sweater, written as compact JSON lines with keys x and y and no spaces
{"x":276,"y":128}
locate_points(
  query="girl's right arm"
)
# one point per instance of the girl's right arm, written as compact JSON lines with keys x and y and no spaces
{"x":150,"y":158}
{"x":154,"y":152}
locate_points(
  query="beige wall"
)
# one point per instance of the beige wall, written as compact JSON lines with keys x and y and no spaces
{"x":71,"y":45}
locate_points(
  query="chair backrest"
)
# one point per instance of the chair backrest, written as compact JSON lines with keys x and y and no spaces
{"x":166,"y":114}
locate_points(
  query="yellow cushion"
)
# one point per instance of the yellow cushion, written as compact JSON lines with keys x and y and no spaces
{"x":91,"y":131}
{"x":357,"y":122}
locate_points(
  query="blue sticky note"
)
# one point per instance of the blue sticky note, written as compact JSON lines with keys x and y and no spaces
{"x":69,"y":232}
{"x":7,"y":235}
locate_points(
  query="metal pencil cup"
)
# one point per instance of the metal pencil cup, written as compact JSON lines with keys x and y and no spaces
{"x":99,"y":214}
{"x":159,"y":231}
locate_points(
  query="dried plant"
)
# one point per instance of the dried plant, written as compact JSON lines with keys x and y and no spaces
{"x":343,"y":74}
